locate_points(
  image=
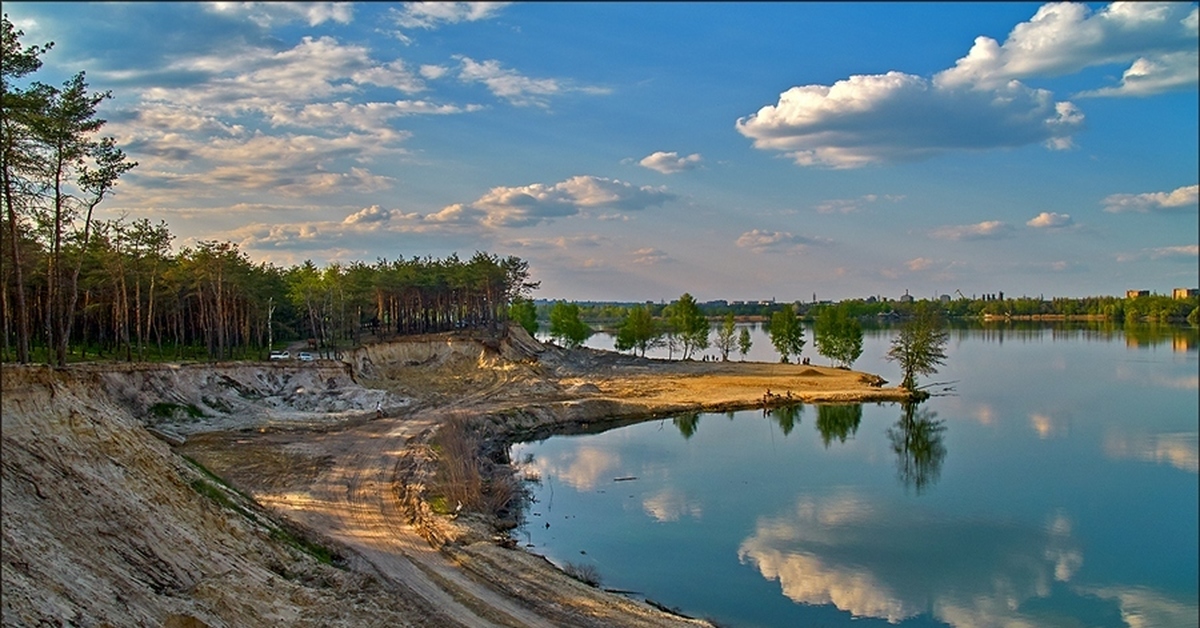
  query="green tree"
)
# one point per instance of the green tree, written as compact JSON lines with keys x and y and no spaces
{"x":838,"y":336}
{"x":19,"y":162}
{"x":725,"y":340}
{"x":638,"y":331}
{"x":524,"y":312}
{"x":919,"y":347}
{"x":787,"y":333}
{"x":744,"y":342}
{"x":565,"y":325}
{"x":690,"y":325}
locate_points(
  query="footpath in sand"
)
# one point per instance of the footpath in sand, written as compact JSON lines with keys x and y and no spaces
{"x":355,"y":482}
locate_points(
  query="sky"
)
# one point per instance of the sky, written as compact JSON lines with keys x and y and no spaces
{"x":637,"y":151}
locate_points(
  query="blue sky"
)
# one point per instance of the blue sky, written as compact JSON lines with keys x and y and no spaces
{"x":636,"y":151}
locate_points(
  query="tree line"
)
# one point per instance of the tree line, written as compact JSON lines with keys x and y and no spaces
{"x":683,"y":328}
{"x":1145,"y":308}
{"x":74,"y":285}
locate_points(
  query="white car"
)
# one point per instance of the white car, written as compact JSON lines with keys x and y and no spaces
{"x":280,"y":355}
{"x":305,"y":356}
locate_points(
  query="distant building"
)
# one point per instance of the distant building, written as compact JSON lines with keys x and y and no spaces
{"x":945,"y":298}
{"x":1133,"y":294}
{"x":1185,"y":293}
{"x":906,"y":297}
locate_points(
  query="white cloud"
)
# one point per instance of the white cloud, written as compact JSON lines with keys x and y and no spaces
{"x":266,"y":14}
{"x":531,"y":204}
{"x":980,"y":103}
{"x":650,"y":256}
{"x":1175,"y":252}
{"x":919,"y":263}
{"x":871,"y":119}
{"x":987,"y":230}
{"x":1157,"y":39}
{"x":760,"y":241}
{"x":265,"y":121}
{"x":1184,"y":252}
{"x":1050,"y":220}
{"x":1184,"y":199}
{"x":514,"y":87}
{"x":670,"y":163}
{"x":433,"y":72}
{"x":852,"y":205}
{"x":430,"y":15}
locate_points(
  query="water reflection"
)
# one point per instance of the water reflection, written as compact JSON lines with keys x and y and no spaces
{"x":787,"y":416}
{"x":1179,"y":449}
{"x":919,"y":443}
{"x":687,"y":423}
{"x":1070,"y":500}
{"x":886,"y":561}
{"x":838,"y":421}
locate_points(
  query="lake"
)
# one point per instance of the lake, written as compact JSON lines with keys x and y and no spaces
{"x":1055,"y":485}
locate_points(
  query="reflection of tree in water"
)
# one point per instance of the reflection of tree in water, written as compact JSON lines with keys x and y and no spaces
{"x":786,"y":416}
{"x":918,"y":441}
{"x":838,"y":421}
{"x":686,"y":423}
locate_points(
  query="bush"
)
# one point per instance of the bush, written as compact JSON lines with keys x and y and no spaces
{"x":587,"y":574}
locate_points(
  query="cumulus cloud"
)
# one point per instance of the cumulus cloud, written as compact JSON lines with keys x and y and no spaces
{"x":258,"y":120}
{"x":987,"y":230}
{"x":980,"y":103}
{"x":1183,"y":199}
{"x":1158,"y":40}
{"x":670,"y":163}
{"x":1050,"y":220}
{"x":531,"y":204}
{"x":760,"y":241}
{"x":514,"y":87}
{"x":871,"y":119}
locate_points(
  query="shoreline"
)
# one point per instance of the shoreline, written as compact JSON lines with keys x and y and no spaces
{"x":302,"y":445}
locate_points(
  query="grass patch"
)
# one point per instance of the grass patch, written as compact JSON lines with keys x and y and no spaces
{"x":316,"y":550}
{"x":466,"y":476}
{"x":440,"y":505}
{"x":218,"y":490}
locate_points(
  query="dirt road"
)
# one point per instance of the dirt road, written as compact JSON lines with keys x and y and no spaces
{"x":340,"y":483}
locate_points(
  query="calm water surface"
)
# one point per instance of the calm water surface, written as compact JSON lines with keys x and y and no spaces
{"x":1057,"y":486}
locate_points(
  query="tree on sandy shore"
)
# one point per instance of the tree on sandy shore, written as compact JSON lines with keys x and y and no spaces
{"x":744,"y":342}
{"x":787,"y":333}
{"x":838,"y":336}
{"x":725,"y":336}
{"x":638,"y":331}
{"x":919,"y":347}
{"x":689,"y":324}
{"x":565,"y":325}
{"x":524,"y":312}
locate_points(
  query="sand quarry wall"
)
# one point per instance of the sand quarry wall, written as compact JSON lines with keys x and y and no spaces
{"x":103,"y":525}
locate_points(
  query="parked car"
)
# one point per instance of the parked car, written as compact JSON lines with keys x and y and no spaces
{"x":280,"y":355}
{"x":306,"y":356}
